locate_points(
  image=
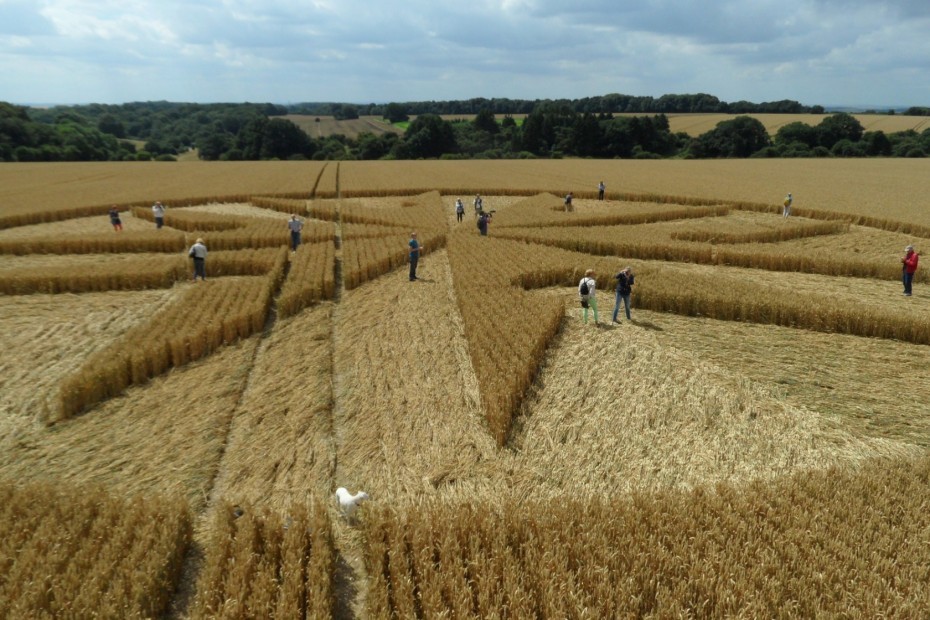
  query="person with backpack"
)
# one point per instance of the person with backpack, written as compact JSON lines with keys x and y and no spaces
{"x":624,"y":289}
{"x":786,"y":210}
{"x":587,"y":292}
{"x":483,"y":220}
{"x":459,"y":210}
{"x":568,"y":202}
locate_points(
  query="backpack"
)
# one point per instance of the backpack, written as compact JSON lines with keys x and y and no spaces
{"x":584,"y":287}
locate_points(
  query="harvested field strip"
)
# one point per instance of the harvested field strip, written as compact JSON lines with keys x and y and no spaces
{"x":629,"y":243}
{"x":408,"y":418}
{"x":366,"y":258}
{"x":830,"y":543}
{"x":207,"y":317}
{"x":46,"y":337}
{"x":280,"y":446}
{"x":260,"y":564}
{"x":667,"y":420}
{"x":190,"y":221}
{"x":128,"y":241}
{"x":507,"y":330}
{"x":327,"y":210}
{"x":266,"y":233}
{"x":135,"y":273}
{"x":291,"y":206}
{"x":544,"y":210}
{"x":859,"y":220}
{"x":312,"y":278}
{"x":806,"y":368}
{"x":689,"y":293}
{"x":142,"y":273}
{"x":359,"y":231}
{"x":162,"y":438}
{"x":797,"y":231}
{"x":421,"y":212}
{"x":84,"y":553}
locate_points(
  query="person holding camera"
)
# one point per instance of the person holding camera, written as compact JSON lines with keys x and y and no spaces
{"x":624,"y":290}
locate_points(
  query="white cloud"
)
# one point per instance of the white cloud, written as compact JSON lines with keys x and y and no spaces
{"x":307,"y":50}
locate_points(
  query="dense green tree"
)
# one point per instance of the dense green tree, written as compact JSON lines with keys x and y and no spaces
{"x":739,"y":137}
{"x":428,"y":136}
{"x":108,"y":123}
{"x":876,"y":143}
{"x":485,"y":121}
{"x":395,"y":113}
{"x":797,"y":132}
{"x":840,"y":126}
{"x":282,"y":139}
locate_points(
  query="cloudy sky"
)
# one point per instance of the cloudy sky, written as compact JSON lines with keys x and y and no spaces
{"x":829,"y":52}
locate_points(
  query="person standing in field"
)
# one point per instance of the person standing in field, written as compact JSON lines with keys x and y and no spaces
{"x":625,"y":281}
{"x":158,"y":210}
{"x":198,"y":252}
{"x":414,"y":255}
{"x":114,"y":219}
{"x":295,"y":226}
{"x":479,"y":205}
{"x":483,"y":220}
{"x":587,"y":292}
{"x":786,"y":208}
{"x":568,"y":202}
{"x":459,"y":210}
{"x":908,"y":268}
{"x":600,"y":190}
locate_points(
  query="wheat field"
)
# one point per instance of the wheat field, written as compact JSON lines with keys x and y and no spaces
{"x":696,"y":461}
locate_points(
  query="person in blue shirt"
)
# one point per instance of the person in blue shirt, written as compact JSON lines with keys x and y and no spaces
{"x":414,"y":255}
{"x":625,"y":282}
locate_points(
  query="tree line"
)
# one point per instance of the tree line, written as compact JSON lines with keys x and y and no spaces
{"x":550,"y":129}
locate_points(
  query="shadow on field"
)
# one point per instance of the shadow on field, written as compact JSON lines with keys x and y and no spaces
{"x":646,"y":325}
{"x":345,"y":589}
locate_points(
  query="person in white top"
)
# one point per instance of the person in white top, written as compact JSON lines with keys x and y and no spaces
{"x":587,"y":291}
{"x":158,"y":211}
{"x":198,"y":252}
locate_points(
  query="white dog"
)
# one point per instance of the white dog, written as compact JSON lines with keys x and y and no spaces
{"x":348,"y":503}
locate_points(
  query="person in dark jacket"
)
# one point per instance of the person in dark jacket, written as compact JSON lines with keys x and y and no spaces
{"x":624,"y":289}
{"x":115,"y":220}
{"x":483,"y":220}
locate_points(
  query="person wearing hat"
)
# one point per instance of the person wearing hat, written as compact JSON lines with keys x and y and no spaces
{"x":908,"y":268}
{"x":198,"y":252}
{"x":786,"y":209}
{"x":624,"y":289}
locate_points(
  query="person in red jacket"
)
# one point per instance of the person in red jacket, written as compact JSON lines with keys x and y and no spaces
{"x":908,"y":267}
